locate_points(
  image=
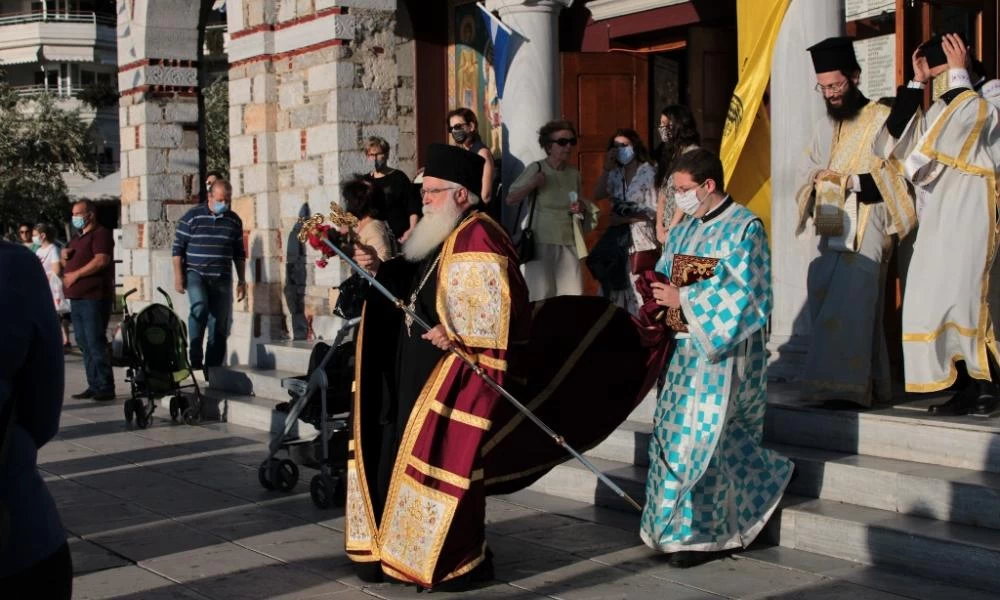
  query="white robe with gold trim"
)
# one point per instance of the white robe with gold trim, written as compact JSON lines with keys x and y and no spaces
{"x":949,"y":307}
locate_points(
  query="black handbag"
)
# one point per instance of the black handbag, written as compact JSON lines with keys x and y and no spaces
{"x":351,"y":299}
{"x":526,"y":243}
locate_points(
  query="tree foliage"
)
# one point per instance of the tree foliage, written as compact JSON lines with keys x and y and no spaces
{"x":38,"y":142}
{"x":217,"y":126}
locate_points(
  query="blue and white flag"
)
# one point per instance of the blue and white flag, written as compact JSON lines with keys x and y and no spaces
{"x":500,"y":36}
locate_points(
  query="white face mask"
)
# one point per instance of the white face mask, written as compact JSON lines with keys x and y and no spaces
{"x":688,"y":201}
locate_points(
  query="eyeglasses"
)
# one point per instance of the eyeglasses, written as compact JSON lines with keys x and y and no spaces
{"x":834,"y":88}
{"x":564,"y":141}
{"x":382,"y":154}
{"x":424,"y":192}
{"x":457,"y":127}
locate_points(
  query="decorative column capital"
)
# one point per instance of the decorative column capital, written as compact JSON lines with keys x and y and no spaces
{"x":506,"y":7}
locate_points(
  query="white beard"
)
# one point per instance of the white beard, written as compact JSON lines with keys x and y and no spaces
{"x":431,"y":231}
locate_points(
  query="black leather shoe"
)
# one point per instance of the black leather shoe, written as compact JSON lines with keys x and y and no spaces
{"x":104,"y":396}
{"x":686,"y":560}
{"x":960,"y":404}
{"x":987,"y":405}
{"x":84,"y":395}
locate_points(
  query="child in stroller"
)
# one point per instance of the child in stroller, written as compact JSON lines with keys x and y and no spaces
{"x":322,"y":399}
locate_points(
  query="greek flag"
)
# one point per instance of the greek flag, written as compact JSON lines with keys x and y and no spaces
{"x":500,"y":37}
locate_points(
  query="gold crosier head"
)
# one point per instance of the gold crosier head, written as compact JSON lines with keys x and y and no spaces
{"x":339,"y":218}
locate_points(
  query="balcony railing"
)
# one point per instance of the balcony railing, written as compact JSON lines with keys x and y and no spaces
{"x":38,"y":90}
{"x":58,"y":17}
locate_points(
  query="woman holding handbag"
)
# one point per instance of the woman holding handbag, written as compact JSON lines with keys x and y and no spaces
{"x":555,"y":217}
{"x":629,"y":179}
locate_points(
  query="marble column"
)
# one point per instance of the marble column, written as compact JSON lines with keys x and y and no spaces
{"x":792,"y":78}
{"x":531,"y":92}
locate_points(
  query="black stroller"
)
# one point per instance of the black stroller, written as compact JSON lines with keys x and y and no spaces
{"x":322,"y":399}
{"x":154,"y":352}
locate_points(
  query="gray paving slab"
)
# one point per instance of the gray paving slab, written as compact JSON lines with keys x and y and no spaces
{"x":831,"y":590}
{"x":151,"y":541}
{"x":582,"y":539}
{"x":905,"y":584}
{"x":89,"y":557}
{"x":130,"y":583}
{"x":588,"y":580}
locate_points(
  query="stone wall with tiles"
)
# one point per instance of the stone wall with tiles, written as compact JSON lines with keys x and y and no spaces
{"x":158,"y":82}
{"x":309,"y":81}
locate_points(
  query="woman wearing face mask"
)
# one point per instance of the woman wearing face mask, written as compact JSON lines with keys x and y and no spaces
{"x":629,"y":179}
{"x":48,"y":252}
{"x":678,"y":135}
{"x":401,"y":209}
{"x":464,"y":129}
{"x":550,"y":190}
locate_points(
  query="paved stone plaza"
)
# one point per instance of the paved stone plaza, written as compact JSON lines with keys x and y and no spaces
{"x":176,"y":512}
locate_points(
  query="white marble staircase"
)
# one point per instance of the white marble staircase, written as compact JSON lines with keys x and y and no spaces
{"x":890,"y":487}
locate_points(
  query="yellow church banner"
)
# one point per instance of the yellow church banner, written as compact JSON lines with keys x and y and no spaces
{"x":746,"y":139}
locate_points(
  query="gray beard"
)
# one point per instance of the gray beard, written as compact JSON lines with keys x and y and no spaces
{"x":431,"y":231}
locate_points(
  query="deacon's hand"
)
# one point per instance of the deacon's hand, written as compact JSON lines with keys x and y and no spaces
{"x":666,"y":294}
{"x":825,"y":173}
{"x":921,"y":72}
{"x":439,"y":337}
{"x":955,"y":50}
{"x":366,"y":257}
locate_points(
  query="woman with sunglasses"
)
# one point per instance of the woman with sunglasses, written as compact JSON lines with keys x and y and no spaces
{"x":550,"y":191}
{"x":629,"y":179}
{"x":464,"y":129}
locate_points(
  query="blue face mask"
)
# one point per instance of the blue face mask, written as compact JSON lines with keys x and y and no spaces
{"x":219,"y":207}
{"x":79,"y":222}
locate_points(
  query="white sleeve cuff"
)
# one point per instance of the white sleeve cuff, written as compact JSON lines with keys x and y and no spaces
{"x":915,"y":85}
{"x":958,"y":78}
{"x":855,"y":184}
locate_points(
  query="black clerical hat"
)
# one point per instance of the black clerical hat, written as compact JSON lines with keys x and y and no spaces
{"x":456,"y":165}
{"x":834,"y":54}
{"x":934,"y":52}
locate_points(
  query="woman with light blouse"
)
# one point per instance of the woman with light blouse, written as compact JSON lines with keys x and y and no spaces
{"x":549,"y":190}
{"x":629,"y":179}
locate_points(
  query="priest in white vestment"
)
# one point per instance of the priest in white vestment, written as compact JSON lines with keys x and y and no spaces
{"x":951,"y":155}
{"x":856,"y":202}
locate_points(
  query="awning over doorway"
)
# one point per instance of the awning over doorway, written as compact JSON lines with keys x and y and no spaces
{"x":19,"y":56}
{"x":68,"y":53}
{"x":105,"y":188}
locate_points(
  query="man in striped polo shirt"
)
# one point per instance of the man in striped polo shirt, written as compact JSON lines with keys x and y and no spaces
{"x":209,"y":241}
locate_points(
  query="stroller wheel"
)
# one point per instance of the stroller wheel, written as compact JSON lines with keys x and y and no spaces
{"x":175,"y":410}
{"x":263,"y":475}
{"x":129,"y":412}
{"x":326,"y":491}
{"x":283,"y":474}
{"x":142,"y":419}
{"x":192,"y":416}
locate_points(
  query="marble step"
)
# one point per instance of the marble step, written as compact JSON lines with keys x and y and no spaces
{"x":932,"y":491}
{"x":573,"y":481}
{"x":253,"y":412}
{"x":286,"y":356}
{"x":896,"y":433}
{"x":249,"y":381}
{"x":947,"y":494}
{"x":960,"y":554}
